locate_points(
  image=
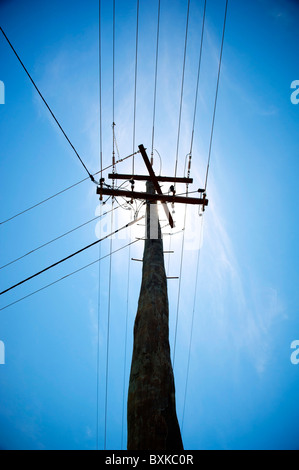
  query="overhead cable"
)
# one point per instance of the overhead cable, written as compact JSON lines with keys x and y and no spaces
{"x":70,"y":256}
{"x":48,"y":107}
{"x":108,"y":334}
{"x":100,"y":92}
{"x":67,"y":275}
{"x":198,"y":75}
{"x":55,"y":239}
{"x":135,"y":85}
{"x":62,"y":191}
{"x":101,"y":167}
{"x":216,"y":96}
{"x":155,"y":82}
{"x":192,"y":320}
{"x":182,"y":90}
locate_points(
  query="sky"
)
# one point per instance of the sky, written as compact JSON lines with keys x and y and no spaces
{"x":238,"y":316}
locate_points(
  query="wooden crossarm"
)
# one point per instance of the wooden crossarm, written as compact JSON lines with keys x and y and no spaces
{"x":160,"y":179}
{"x":152,"y":197}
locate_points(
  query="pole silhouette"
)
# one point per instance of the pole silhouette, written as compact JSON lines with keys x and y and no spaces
{"x":151,"y":412}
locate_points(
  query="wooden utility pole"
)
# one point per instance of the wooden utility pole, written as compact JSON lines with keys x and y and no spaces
{"x":152,"y":419}
{"x":151,"y":412}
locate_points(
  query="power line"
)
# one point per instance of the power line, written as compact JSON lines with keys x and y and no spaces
{"x":126,"y":333}
{"x":113,"y":74}
{"x":155,"y":86}
{"x":180,"y":283}
{"x":182,"y":250}
{"x":190,"y":157}
{"x":43,"y":201}
{"x":113,"y":53}
{"x":192,"y":322}
{"x":98,"y":347}
{"x":99,"y":283}
{"x":194,"y":116}
{"x":67,"y":275}
{"x":113,"y":91}
{"x":182,"y":90}
{"x":55,"y":239}
{"x":216,"y":97}
{"x":63,"y":191}
{"x":135,"y":86}
{"x":48,"y":107}
{"x":108,"y":335}
{"x":198,"y":74}
{"x":69,"y":256}
{"x":100,"y":92}
{"x":110,"y":264}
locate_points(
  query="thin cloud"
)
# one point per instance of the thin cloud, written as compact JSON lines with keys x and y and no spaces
{"x":254,"y":311}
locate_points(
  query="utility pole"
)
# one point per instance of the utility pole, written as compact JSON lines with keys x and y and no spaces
{"x":152,"y":419}
{"x":151,"y":411}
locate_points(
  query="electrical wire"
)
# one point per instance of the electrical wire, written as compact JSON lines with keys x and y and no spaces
{"x":135,"y":86}
{"x":48,"y":107}
{"x":160,"y":170}
{"x":126,"y":334}
{"x":182,"y":249}
{"x":63,"y":191}
{"x":182,"y":91}
{"x":108,"y":336}
{"x":192,"y":322}
{"x":155,"y":86}
{"x":43,"y":201}
{"x":180,"y":283}
{"x":216,"y":96}
{"x":68,"y":275}
{"x":113,"y":91}
{"x":68,"y":257}
{"x":55,"y":239}
{"x":100,"y":246}
{"x":113,"y":65}
{"x":198,"y":75}
{"x":98,"y":347}
{"x":100,"y":91}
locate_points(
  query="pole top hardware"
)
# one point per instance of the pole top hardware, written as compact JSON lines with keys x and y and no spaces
{"x":158,"y":196}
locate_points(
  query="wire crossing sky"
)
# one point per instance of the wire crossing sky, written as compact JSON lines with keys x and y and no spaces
{"x":211,"y":76}
{"x":46,"y":104}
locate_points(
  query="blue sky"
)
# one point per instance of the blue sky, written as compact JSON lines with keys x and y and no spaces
{"x":242,"y":388}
